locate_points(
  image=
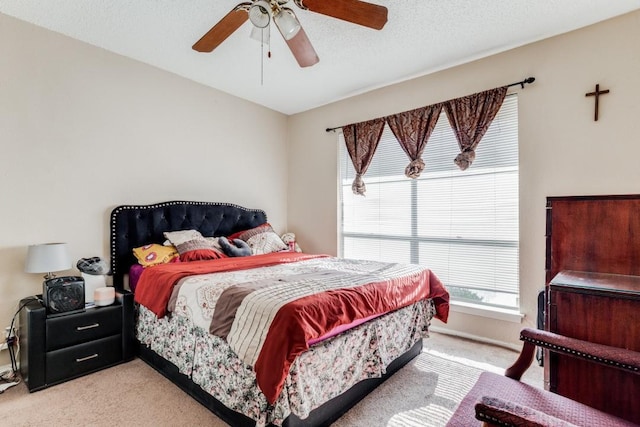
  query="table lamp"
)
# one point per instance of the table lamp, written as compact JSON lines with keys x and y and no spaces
{"x":47,"y":258}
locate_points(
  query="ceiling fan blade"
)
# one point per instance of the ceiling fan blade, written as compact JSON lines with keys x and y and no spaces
{"x":355,"y":11}
{"x":302,"y":49}
{"x":223,"y":29}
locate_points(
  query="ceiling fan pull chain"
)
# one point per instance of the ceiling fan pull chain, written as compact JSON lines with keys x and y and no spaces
{"x":261,"y":56}
{"x":269,"y":42}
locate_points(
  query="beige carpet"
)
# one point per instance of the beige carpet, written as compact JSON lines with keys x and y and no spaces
{"x":423,"y":393}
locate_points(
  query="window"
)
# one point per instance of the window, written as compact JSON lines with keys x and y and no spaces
{"x":463,"y":225}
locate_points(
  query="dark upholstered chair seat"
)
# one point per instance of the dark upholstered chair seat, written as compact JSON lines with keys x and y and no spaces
{"x":546,"y":408}
{"x":504,"y":401}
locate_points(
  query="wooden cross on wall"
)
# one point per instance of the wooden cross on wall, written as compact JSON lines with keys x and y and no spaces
{"x":597,"y":94}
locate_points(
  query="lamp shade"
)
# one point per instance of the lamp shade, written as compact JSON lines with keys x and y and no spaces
{"x":287,"y":23}
{"x":47,"y":257}
{"x":259,"y":13}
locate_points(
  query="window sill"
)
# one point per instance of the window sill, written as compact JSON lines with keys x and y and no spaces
{"x":491,"y":312}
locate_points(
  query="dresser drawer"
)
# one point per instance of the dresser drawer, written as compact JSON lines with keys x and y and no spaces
{"x":65,"y":331}
{"x":80,"y":359}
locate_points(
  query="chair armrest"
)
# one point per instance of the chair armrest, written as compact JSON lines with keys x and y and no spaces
{"x":621,"y":358}
{"x":494,"y":411}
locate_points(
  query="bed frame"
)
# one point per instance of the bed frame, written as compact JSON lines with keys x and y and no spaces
{"x":137,"y":225}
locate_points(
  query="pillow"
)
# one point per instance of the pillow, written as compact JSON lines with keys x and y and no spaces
{"x":155,"y":254}
{"x":236,"y":235}
{"x":199,"y":249}
{"x":214,"y":242}
{"x":134,"y":275}
{"x":178,"y":237}
{"x":263,"y":240}
{"x":237,"y":248}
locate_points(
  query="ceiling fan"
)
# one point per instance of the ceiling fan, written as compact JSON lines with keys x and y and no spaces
{"x":260,"y":13}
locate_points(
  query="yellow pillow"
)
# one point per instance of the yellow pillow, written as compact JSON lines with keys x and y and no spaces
{"x":155,"y":254}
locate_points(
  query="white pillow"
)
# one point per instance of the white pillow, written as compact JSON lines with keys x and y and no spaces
{"x":179,"y":237}
{"x":263,"y":240}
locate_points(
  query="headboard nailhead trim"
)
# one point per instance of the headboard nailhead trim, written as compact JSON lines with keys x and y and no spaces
{"x":115,"y":214}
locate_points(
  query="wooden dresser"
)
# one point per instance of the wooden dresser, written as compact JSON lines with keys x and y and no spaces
{"x":593,"y":293}
{"x":601,"y":308}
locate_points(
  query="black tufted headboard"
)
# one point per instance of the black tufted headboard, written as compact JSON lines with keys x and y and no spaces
{"x":137,"y":225}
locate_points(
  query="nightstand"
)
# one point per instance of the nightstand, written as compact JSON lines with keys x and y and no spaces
{"x":57,"y":349}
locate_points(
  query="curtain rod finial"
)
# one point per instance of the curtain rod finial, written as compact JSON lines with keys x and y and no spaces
{"x":528,"y":80}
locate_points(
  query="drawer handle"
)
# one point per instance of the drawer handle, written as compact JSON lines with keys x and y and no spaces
{"x":82,"y":328}
{"x":82,"y":359}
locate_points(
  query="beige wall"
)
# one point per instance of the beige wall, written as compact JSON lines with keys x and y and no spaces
{"x":83,"y":130}
{"x":562,"y":150}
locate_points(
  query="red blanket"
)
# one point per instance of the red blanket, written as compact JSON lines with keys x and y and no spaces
{"x":304,"y":319}
{"x":155,"y":285}
{"x":310,"y":317}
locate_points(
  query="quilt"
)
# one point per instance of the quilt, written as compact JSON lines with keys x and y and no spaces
{"x":277,"y":303}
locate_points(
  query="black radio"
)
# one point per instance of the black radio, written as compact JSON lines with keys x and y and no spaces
{"x":63,"y":295}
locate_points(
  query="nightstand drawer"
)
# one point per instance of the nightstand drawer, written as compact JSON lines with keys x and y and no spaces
{"x":83,"y":358}
{"x":54,"y":349}
{"x":72,"y":329}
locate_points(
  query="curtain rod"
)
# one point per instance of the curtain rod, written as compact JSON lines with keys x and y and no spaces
{"x":528,"y":80}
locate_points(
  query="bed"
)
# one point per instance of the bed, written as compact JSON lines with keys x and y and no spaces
{"x":308,"y":376}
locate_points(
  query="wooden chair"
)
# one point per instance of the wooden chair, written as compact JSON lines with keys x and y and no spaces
{"x":497,"y":400}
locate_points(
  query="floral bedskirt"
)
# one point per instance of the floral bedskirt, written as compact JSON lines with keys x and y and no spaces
{"x":326,"y":370}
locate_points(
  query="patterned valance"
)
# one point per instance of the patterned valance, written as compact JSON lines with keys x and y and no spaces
{"x":362,"y":140}
{"x":412,"y":129}
{"x":469,"y":116}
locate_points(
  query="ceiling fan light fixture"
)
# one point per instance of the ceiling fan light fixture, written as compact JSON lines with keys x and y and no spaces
{"x":287,"y":23}
{"x":260,"y":34}
{"x":260,"y":13}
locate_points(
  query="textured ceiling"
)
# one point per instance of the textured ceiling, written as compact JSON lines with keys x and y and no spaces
{"x":420,"y":37}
